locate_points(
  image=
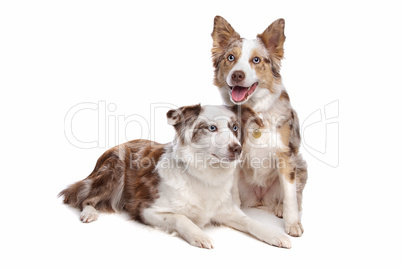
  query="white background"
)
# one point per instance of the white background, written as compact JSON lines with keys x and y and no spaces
{"x":129,"y":55}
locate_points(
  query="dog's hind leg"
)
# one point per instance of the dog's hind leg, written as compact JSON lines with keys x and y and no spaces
{"x":102,"y":190}
{"x":89,"y":214}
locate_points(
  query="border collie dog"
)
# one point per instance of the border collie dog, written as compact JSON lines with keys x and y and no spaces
{"x":273,"y":174}
{"x":180,"y":186}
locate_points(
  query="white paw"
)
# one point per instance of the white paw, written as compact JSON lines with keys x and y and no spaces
{"x":89,"y":214}
{"x":294,"y":229}
{"x":281,"y":241}
{"x":201,"y":241}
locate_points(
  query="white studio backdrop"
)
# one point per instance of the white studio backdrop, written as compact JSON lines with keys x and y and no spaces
{"x":78,"y":77}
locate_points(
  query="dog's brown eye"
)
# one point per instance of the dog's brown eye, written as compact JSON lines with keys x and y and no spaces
{"x":212,"y":128}
{"x":231,"y":57}
{"x":256,"y":60}
{"x":235,"y":128}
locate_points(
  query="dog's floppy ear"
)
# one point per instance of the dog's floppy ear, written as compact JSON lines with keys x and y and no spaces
{"x":249,"y":116}
{"x":246,"y":116}
{"x":222,"y":35}
{"x":183,"y":116}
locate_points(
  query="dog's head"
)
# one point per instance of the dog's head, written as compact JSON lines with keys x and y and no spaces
{"x":246,"y":69}
{"x":211,"y":133}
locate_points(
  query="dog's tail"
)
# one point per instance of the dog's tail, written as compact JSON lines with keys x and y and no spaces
{"x":75,"y":194}
{"x":71,"y":193}
{"x":103,"y":188}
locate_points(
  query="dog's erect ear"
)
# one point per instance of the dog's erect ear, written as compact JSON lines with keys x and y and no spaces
{"x":183,"y":115}
{"x":222,"y":35}
{"x":223,"y":32}
{"x":273,"y":38}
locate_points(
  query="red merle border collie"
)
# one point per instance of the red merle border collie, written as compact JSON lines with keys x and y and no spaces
{"x":180,"y":186}
{"x":248,"y":71}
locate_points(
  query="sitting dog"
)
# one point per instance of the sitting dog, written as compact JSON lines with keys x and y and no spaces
{"x":180,"y":186}
{"x":248,"y":71}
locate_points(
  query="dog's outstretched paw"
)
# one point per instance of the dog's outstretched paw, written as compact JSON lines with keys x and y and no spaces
{"x":281,"y":242}
{"x":201,"y":241}
{"x":89,"y":214}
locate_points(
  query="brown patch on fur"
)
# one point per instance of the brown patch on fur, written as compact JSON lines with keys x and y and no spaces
{"x":292,"y":149}
{"x":284,"y":96}
{"x":119,"y":183}
{"x":292,"y":174}
{"x":286,"y":166}
{"x":198,"y":130}
{"x":290,"y":136}
{"x":285,"y":132}
{"x":142,"y":180}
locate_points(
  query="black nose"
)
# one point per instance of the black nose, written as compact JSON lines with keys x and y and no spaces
{"x":235,"y":148}
{"x":238,"y":76}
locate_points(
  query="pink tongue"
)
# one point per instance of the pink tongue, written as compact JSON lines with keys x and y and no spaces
{"x":239,"y":93}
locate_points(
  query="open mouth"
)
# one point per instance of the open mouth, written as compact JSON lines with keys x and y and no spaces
{"x":240,"y":94}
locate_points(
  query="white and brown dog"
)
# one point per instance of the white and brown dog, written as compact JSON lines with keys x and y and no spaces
{"x":273,"y":173}
{"x":180,"y":186}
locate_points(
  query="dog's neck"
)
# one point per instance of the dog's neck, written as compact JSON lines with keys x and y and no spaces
{"x":263,"y":100}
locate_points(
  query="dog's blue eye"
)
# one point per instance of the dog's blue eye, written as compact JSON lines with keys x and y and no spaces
{"x":256,"y":60}
{"x":231,"y":57}
{"x":212,"y":128}
{"x":235,"y":128}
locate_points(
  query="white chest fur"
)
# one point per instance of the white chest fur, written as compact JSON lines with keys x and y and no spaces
{"x":270,"y":139}
{"x":259,"y":153}
{"x":200,"y":201}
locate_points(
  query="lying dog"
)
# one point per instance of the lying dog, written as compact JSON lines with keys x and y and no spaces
{"x":179,"y":186}
{"x":248,"y":71}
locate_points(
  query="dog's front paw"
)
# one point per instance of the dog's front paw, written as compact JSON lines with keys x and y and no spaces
{"x":294,"y":229}
{"x":281,"y":241}
{"x":201,"y":241}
